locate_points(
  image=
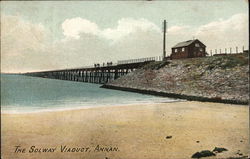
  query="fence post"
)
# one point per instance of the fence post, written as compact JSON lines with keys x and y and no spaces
{"x":215,"y":51}
{"x":220,"y":51}
{"x":242,"y":49}
{"x":230,"y":50}
{"x":225,"y":50}
{"x":236,"y":49}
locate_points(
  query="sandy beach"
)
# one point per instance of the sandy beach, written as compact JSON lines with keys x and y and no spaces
{"x":151,"y":131}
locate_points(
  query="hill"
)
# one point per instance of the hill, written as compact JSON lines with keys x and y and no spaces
{"x":216,"y":78}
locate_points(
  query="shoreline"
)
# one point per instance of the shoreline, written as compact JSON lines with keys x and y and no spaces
{"x":174,"y":95}
{"x":8,"y":112}
{"x":139,"y":131}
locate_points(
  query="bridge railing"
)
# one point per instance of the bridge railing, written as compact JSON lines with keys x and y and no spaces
{"x":105,"y":64}
{"x":156,"y":58}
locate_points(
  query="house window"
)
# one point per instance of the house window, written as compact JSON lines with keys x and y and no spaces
{"x":175,"y":50}
{"x":183,"y":49}
{"x":201,"y":49}
{"x":197,"y":45}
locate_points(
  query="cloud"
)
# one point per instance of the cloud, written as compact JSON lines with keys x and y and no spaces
{"x":177,"y":29}
{"x":140,"y":44}
{"x":227,"y":33}
{"x":23,"y":44}
{"x":20,"y":37}
{"x":84,"y":51}
{"x":127,"y":26}
{"x":75,"y":26}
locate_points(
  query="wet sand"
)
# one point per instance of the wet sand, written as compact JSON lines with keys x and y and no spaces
{"x":128,"y":132}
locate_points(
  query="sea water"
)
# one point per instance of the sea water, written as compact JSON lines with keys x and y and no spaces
{"x":21,"y":93}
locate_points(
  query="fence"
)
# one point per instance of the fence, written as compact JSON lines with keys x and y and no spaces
{"x":229,"y":50}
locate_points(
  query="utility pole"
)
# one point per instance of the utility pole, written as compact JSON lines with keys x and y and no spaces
{"x":164,"y":39}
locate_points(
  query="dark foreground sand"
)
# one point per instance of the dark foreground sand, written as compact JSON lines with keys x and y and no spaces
{"x":128,"y":132}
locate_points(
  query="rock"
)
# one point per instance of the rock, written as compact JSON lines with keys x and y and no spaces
{"x":219,"y":149}
{"x":204,"y":153}
{"x":197,"y":141}
{"x":207,"y":79}
{"x":168,"y":137}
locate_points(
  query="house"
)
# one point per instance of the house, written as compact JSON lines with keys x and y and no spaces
{"x":188,"y":49}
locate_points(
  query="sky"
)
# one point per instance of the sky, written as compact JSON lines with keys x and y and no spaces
{"x":47,"y":35}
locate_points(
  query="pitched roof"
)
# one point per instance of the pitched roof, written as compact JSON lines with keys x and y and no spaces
{"x":184,"y":43}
